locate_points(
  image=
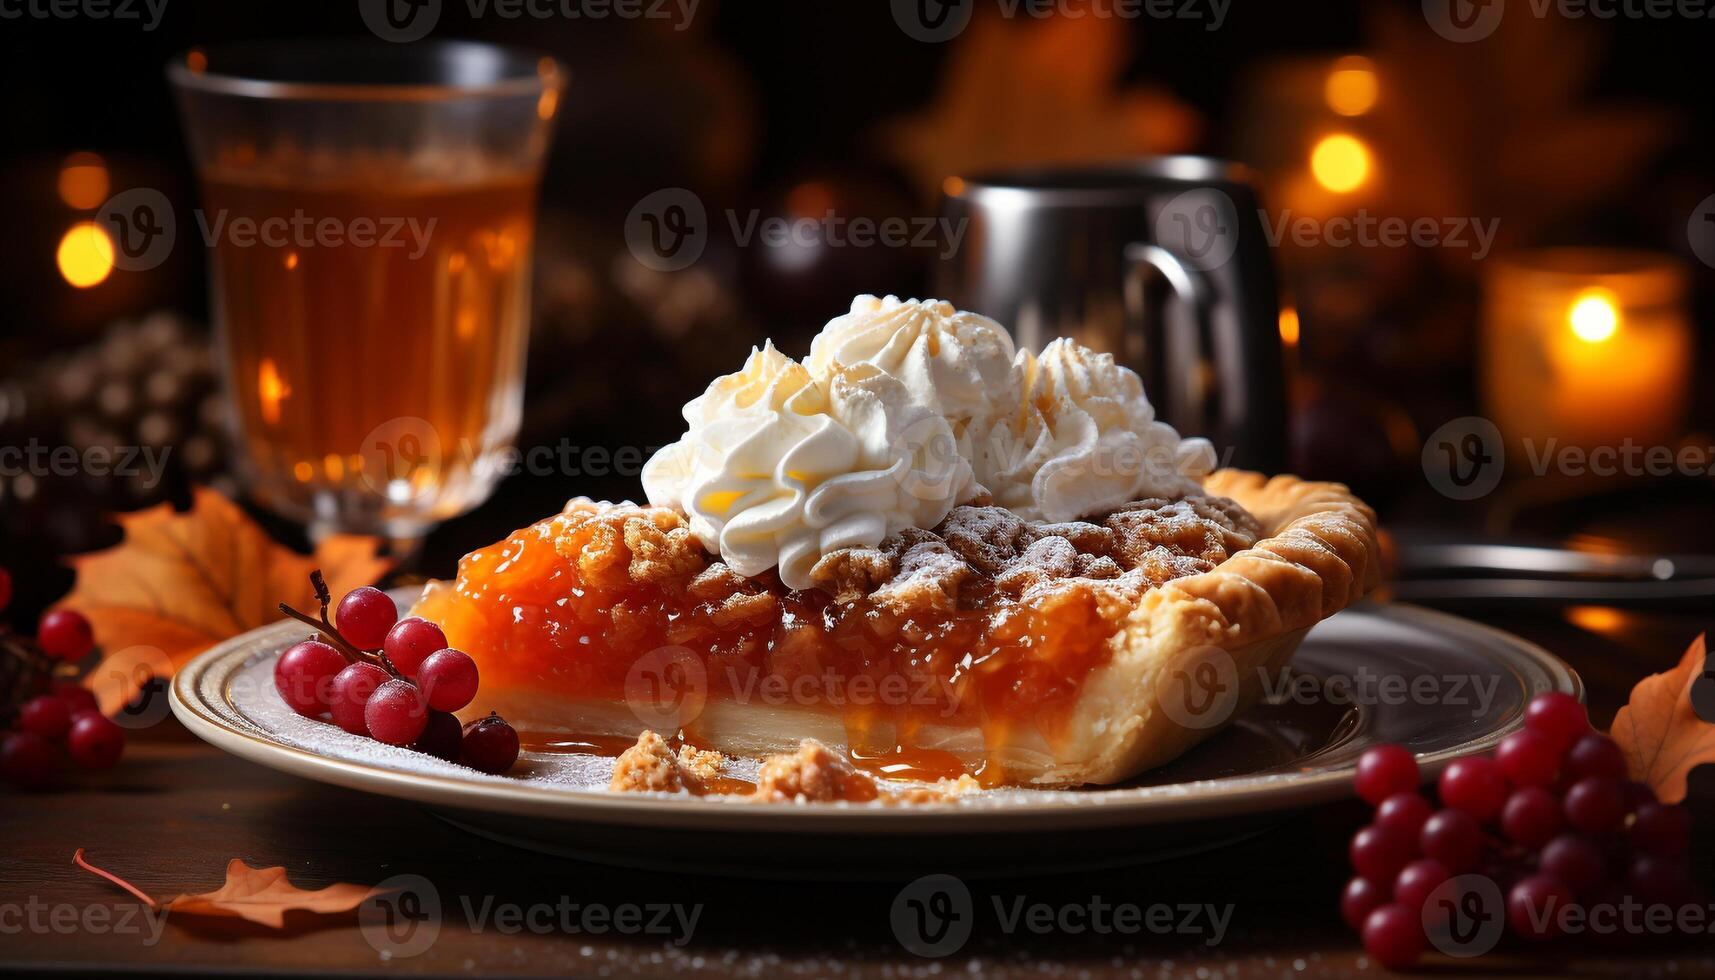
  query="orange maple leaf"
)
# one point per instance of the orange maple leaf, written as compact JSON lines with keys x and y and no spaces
{"x":259,"y":895}
{"x":1659,"y":730}
{"x":264,"y":896}
{"x":181,"y":582}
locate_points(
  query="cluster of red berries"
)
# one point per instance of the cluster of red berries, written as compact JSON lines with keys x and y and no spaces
{"x":1551,"y":819}
{"x":394,"y":680}
{"x":63,"y":722}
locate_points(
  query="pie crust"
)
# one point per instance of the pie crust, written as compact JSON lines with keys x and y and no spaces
{"x":1221,"y":587}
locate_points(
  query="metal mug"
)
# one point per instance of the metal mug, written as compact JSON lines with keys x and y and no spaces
{"x":1162,"y":262}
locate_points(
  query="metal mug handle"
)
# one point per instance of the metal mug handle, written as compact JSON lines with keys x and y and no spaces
{"x":1176,"y":357}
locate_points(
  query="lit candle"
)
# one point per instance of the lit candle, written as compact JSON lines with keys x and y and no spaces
{"x":1589,"y":347}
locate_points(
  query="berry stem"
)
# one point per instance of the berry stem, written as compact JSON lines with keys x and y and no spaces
{"x":138,"y":893}
{"x":332,"y":635}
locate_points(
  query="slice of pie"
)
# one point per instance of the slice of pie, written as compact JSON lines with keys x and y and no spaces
{"x":827,"y":557}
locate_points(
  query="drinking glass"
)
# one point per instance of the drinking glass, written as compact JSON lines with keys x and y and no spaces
{"x":369,"y":216}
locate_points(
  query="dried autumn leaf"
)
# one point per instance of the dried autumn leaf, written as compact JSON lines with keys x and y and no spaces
{"x":259,"y":895}
{"x":264,"y":896}
{"x":1659,"y":730}
{"x":181,"y":582}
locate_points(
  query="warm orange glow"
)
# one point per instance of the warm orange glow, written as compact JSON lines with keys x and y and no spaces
{"x":291,"y":260}
{"x":85,"y":255}
{"x":952,"y":186}
{"x":546,"y":105}
{"x":271,"y":390}
{"x":1289,"y":326}
{"x":1340,"y":162}
{"x":1596,"y":619}
{"x":196,"y":61}
{"x":1352,"y":86}
{"x":1593,"y":317}
{"x":83,"y":181}
{"x":303,"y":470}
{"x":455,"y":263}
{"x":811,"y":199}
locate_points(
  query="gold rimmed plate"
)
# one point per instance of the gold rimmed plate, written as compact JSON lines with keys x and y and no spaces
{"x":1441,"y":685}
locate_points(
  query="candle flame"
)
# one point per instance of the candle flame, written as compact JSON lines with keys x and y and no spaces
{"x":1289,"y":326}
{"x":85,"y":255}
{"x":271,"y":390}
{"x":1594,"y":318}
{"x":1340,"y":162}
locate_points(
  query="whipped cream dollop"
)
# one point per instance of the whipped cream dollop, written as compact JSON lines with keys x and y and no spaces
{"x":1083,"y":439}
{"x":903,"y":411}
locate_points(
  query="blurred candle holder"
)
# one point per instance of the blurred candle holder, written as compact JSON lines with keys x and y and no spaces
{"x":1588,"y":347}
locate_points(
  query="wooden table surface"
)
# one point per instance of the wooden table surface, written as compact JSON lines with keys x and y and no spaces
{"x":176,"y":810}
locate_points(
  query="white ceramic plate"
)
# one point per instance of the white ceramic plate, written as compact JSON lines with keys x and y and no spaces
{"x":1461,"y":687}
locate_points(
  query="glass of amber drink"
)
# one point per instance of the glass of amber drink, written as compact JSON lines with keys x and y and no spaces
{"x":369,"y":215}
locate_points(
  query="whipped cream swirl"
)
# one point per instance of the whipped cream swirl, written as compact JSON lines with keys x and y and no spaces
{"x":778,"y":469}
{"x":1083,"y":439}
{"x":904,"y":410}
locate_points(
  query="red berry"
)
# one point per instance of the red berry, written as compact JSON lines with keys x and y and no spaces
{"x":410,"y":641}
{"x":65,"y":634}
{"x":45,"y":715}
{"x":95,"y":741}
{"x":1595,"y":805}
{"x":1404,"y":812}
{"x":352,"y":688}
{"x":441,"y":737}
{"x":1535,"y":905}
{"x":1596,"y":755}
{"x":1558,"y":716}
{"x":449,"y":679}
{"x":1383,"y":771}
{"x":1658,"y":881}
{"x":1475,"y":785}
{"x":1454,"y":838}
{"x":1378,"y":852}
{"x":1361,"y":897}
{"x":304,"y":675}
{"x":1393,"y":934}
{"x":27,"y":760}
{"x":5,"y":588}
{"x":1415,"y":882}
{"x":364,"y":616}
{"x":1662,"y":830}
{"x":1527,"y":758}
{"x":1531,"y":816}
{"x":490,"y":745}
{"x":1575,"y":860}
{"x":75,"y":695}
{"x":396,"y":713}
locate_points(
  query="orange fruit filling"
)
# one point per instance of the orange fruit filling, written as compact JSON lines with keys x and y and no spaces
{"x":568,"y":606}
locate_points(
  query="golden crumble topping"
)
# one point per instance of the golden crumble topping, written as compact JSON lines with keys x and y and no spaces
{"x":813,"y":774}
{"x":651,"y":766}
